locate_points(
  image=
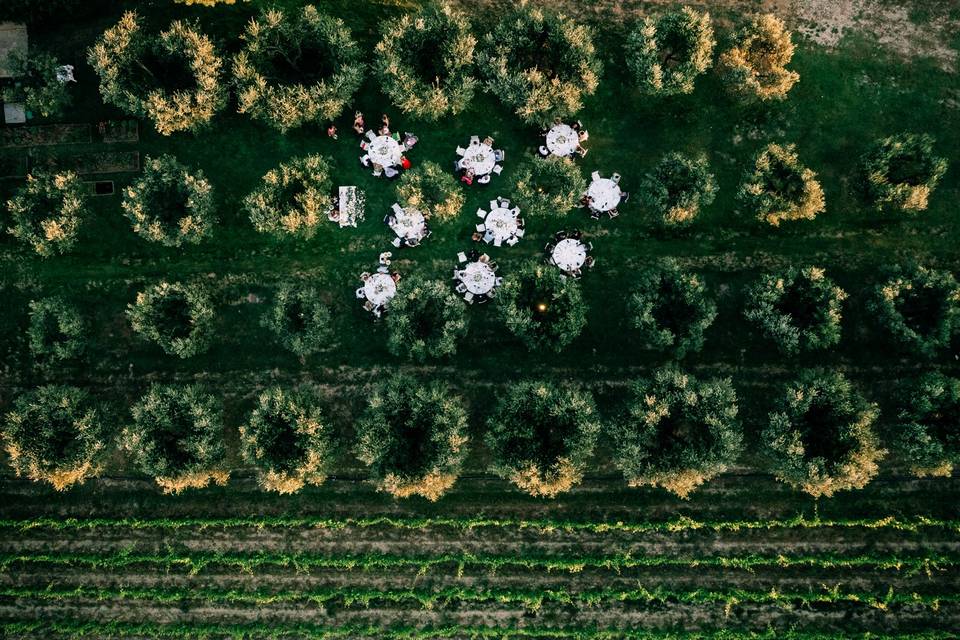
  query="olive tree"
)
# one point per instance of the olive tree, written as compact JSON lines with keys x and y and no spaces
{"x":677,"y":188}
{"x":539,"y":64}
{"x":37,"y":85}
{"x":677,"y":432}
{"x":424,"y":62}
{"x":820,"y":436}
{"x":170,"y":204}
{"x":172,"y":77}
{"x":755,"y":66}
{"x":300,"y":320}
{"x":293,"y":199}
{"x":56,"y":332}
{"x":797,"y":309}
{"x":667,"y":53}
{"x":780,"y":188}
{"x":900,"y":172}
{"x":541,"y":436}
{"x":919,"y":308}
{"x":541,"y":307}
{"x":413,"y":436}
{"x":432,"y":191}
{"x":426,"y":321}
{"x":288,"y":440}
{"x":927,"y":425}
{"x":177,"y":317}
{"x":671,"y":309}
{"x":55,"y":434}
{"x":296,"y":66}
{"x":548,"y":186}
{"x":47,"y":212}
{"x":176,"y":436}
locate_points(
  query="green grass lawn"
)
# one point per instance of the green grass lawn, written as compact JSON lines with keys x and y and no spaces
{"x":846,"y":99}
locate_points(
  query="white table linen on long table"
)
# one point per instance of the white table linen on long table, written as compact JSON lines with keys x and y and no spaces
{"x":347,"y":206}
{"x":569,"y":254}
{"x":562,"y":140}
{"x":380,"y":288}
{"x":384,"y":151}
{"x":480,"y":158}
{"x":478,"y":277}
{"x":409,"y":223}
{"x":501,"y":223}
{"x":604,"y":193}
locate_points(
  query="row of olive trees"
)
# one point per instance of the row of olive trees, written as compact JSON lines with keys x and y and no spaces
{"x":672,"y":431}
{"x":670,"y":309}
{"x":300,"y":65}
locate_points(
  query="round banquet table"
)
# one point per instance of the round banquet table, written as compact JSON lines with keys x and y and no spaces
{"x":569,"y":254}
{"x":380,"y":288}
{"x":605,"y":194}
{"x":409,"y":224}
{"x":502,"y":223}
{"x":562,"y":140}
{"x":480,"y":158}
{"x":384,"y":151}
{"x":478,"y":277}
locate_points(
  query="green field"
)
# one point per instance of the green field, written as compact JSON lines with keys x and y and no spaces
{"x":745,"y":557}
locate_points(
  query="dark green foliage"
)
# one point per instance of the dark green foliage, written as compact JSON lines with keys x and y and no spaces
{"x":820,"y":437}
{"x":56,"y":331}
{"x":413,"y":436}
{"x":798,"y":309}
{"x":548,"y":186}
{"x":426,"y":320}
{"x":293,"y":199}
{"x":900,"y":172}
{"x":178,"y":317}
{"x":288,"y":440}
{"x":927,"y":429}
{"x":666,"y":54}
{"x":918,"y":307}
{"x":671,"y":309}
{"x":47,"y":212}
{"x":432,"y":191}
{"x":55,"y":434}
{"x":177,"y":437}
{"x":37,"y":85}
{"x":539,"y":64}
{"x":677,"y":188}
{"x":677,"y":432}
{"x":541,"y":436}
{"x":541,"y":307}
{"x":425,"y":62}
{"x":300,"y":320}
{"x":780,"y":188}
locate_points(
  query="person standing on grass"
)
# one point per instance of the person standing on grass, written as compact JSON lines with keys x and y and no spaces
{"x":332,"y":131}
{"x":358,"y":124}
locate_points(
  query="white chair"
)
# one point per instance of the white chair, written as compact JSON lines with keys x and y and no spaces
{"x":505,"y":203}
{"x":499,"y":155}
{"x":494,"y":204}
{"x":481,"y":228}
{"x":497,"y":282}
{"x":462,"y":257}
{"x":543,"y":151}
{"x":391,"y":172}
{"x":396,"y":242}
{"x":513,"y":240}
{"x":383,"y":269}
{"x":459,"y":164}
{"x":497,"y":169}
{"x":397,"y":209}
{"x":361,"y":294}
{"x":461,"y":288}
{"x":488,"y":236}
{"x":371,"y":135}
{"x":474,"y":139}
{"x":616,"y":178}
{"x":595,"y":175}
{"x":365,"y":160}
{"x":481,"y":213}
{"x":461,"y":151}
{"x":484,"y":179}
{"x":520,"y":233}
{"x":468,"y":297}
{"x":497,"y":241}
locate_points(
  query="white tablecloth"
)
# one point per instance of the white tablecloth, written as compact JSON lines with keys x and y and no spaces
{"x":480,"y":158}
{"x":569,"y":254}
{"x":348,"y":207}
{"x":605,"y":194}
{"x":478,"y":277}
{"x":380,"y":288}
{"x":384,"y":151}
{"x":409,"y":224}
{"x":502,"y":223}
{"x":562,"y":140}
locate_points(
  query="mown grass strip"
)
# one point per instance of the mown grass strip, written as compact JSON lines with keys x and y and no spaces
{"x":196,"y":562}
{"x":676,"y":525}
{"x":532,"y":599}
{"x":83,"y":629}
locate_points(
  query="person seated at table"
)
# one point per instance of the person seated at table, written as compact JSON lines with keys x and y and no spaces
{"x":365,"y":276}
{"x":477,"y":236}
{"x":384,"y":130}
{"x":520,"y":223}
{"x":583,"y":135}
{"x":384,"y":125}
{"x":589,"y":262}
{"x":575,"y":274}
{"x":365,"y":160}
{"x":488,"y":141}
{"x":333,"y":215}
{"x":484,"y":179}
{"x":580,"y":151}
{"x":560,"y":235}
{"x":576,"y":234}
{"x":585,"y":201}
{"x":557,"y":121}
{"x":395,"y":276}
{"x":409,"y":140}
{"x":390,"y":219}
{"x":473,"y":255}
{"x":359,"y":127}
{"x":467,"y":176}
{"x":377,"y":169}
{"x":484,"y":258}
{"x":405,"y":163}
{"x":576,"y":126}
{"x":391,"y":172}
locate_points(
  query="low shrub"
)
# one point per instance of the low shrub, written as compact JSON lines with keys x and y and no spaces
{"x":667,"y":53}
{"x":780,"y":188}
{"x":413,"y":436}
{"x":677,"y":188}
{"x":900,"y":172}
{"x":293,"y":199}
{"x":37,"y":85}
{"x":671,"y":309}
{"x":426,"y":321}
{"x":57,"y":331}
{"x":300,"y":320}
{"x":548,"y":186}
{"x":541,"y":307}
{"x":541,"y":437}
{"x":677,"y":432}
{"x":432,"y":191}
{"x":755,"y":67}
{"x":820,"y":437}
{"x":47,"y":212}
{"x":927,"y":429}
{"x":177,"y":317}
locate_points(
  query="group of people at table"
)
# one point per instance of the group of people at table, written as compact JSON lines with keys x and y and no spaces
{"x":476,"y":274}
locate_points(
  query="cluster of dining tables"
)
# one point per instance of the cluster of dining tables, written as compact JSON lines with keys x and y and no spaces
{"x":479,"y":160}
{"x":501,"y":223}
